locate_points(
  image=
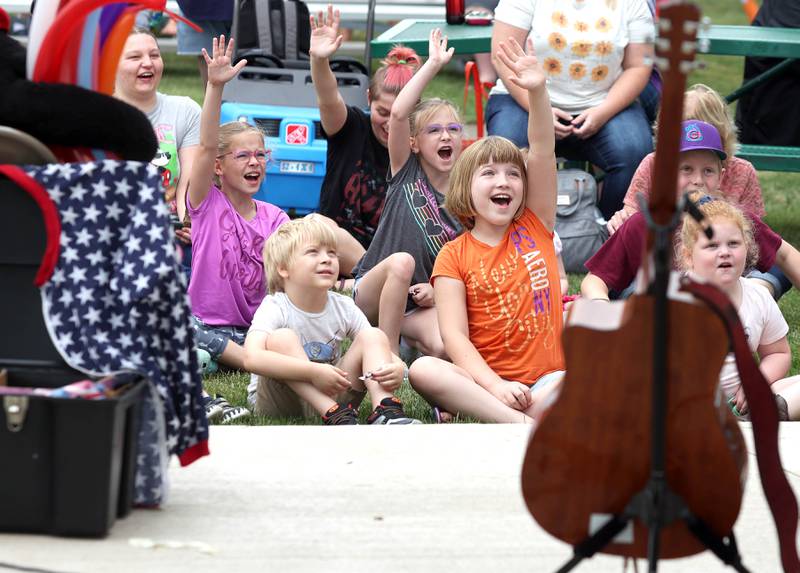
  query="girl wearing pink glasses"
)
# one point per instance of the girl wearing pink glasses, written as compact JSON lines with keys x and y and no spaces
{"x":229,"y":226}
{"x":392,"y":278}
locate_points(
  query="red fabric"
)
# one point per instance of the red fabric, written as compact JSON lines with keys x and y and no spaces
{"x":5,"y":21}
{"x":764,"y":416}
{"x":471,"y":69}
{"x":194,"y":453}
{"x":52,"y":223}
{"x":618,"y":260}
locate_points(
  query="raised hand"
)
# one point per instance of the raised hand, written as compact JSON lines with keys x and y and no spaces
{"x":325,"y":37}
{"x":220,"y":71}
{"x":527,"y":73}
{"x":438,"y":53}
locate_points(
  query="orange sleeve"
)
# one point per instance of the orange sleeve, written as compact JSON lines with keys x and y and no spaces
{"x":448,"y":263}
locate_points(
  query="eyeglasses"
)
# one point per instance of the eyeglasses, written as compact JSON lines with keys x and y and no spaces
{"x":438,"y":128}
{"x":243,"y":155}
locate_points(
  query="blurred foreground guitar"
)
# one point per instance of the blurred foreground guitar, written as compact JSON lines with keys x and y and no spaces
{"x":592,"y":454}
{"x":640,"y":456}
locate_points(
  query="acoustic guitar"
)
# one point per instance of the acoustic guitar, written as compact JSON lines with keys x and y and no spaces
{"x":592,"y":452}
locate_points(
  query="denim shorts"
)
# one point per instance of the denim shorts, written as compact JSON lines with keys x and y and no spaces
{"x":214,"y":338}
{"x":776,"y":278}
{"x":355,"y":287}
{"x":547,"y":379}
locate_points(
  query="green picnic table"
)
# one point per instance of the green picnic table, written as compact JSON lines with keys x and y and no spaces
{"x":721,"y":40}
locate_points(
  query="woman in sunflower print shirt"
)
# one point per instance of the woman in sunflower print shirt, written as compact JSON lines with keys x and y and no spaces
{"x":594,"y":53}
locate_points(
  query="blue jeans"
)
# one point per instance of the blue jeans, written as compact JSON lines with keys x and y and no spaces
{"x":617,"y":148}
{"x":650,"y":98}
{"x":775,"y":277}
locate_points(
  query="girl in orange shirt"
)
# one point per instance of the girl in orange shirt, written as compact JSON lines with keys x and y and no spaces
{"x":496,"y":288}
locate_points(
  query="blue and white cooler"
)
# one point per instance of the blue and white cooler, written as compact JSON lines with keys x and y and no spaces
{"x":282,"y":102}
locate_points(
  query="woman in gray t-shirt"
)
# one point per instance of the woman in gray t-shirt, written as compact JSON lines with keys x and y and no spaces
{"x":175,"y":119}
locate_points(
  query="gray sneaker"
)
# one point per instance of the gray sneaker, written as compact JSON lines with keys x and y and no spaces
{"x":783,"y":408}
{"x":388,"y":412}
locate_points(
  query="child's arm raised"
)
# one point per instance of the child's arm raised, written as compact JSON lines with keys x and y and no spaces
{"x":325,"y":40}
{"x":451,"y":311}
{"x":542,"y":181}
{"x":399,"y":128}
{"x":220,"y":72}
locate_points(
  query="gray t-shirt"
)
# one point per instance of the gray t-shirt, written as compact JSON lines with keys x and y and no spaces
{"x":321,"y":334}
{"x":176,"y":121}
{"x":412,"y":222}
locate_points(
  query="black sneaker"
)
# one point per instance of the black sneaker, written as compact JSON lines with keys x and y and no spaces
{"x":340,"y":415}
{"x":213,"y":407}
{"x":390,"y":411}
{"x":219,"y":407}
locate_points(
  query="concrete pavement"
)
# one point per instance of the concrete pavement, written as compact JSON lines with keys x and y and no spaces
{"x":414,"y":498}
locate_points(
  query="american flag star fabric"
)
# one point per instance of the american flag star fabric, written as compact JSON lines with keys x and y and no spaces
{"x":116,"y":301}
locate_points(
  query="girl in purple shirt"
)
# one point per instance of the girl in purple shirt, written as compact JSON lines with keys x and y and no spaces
{"x":229,"y":226}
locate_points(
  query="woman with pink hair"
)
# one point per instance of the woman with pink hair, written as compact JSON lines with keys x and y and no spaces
{"x":354,"y":189}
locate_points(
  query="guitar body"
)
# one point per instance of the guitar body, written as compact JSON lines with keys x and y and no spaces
{"x":591,"y":452}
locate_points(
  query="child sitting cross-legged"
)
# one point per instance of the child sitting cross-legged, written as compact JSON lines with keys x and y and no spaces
{"x":722,"y":261}
{"x":294,"y":346}
{"x":497,"y":288}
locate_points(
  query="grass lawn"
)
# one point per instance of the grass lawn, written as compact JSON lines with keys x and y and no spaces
{"x":780,"y":190}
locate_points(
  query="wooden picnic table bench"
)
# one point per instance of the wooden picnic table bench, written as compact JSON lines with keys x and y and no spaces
{"x":718,"y":40}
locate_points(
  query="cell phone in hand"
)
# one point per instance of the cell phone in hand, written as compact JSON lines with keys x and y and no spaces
{"x":563,"y":121}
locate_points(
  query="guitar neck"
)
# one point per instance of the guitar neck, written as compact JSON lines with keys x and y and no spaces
{"x":675,"y":50}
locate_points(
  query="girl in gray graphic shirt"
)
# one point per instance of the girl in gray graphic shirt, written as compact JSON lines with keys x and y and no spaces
{"x":392,"y":278}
